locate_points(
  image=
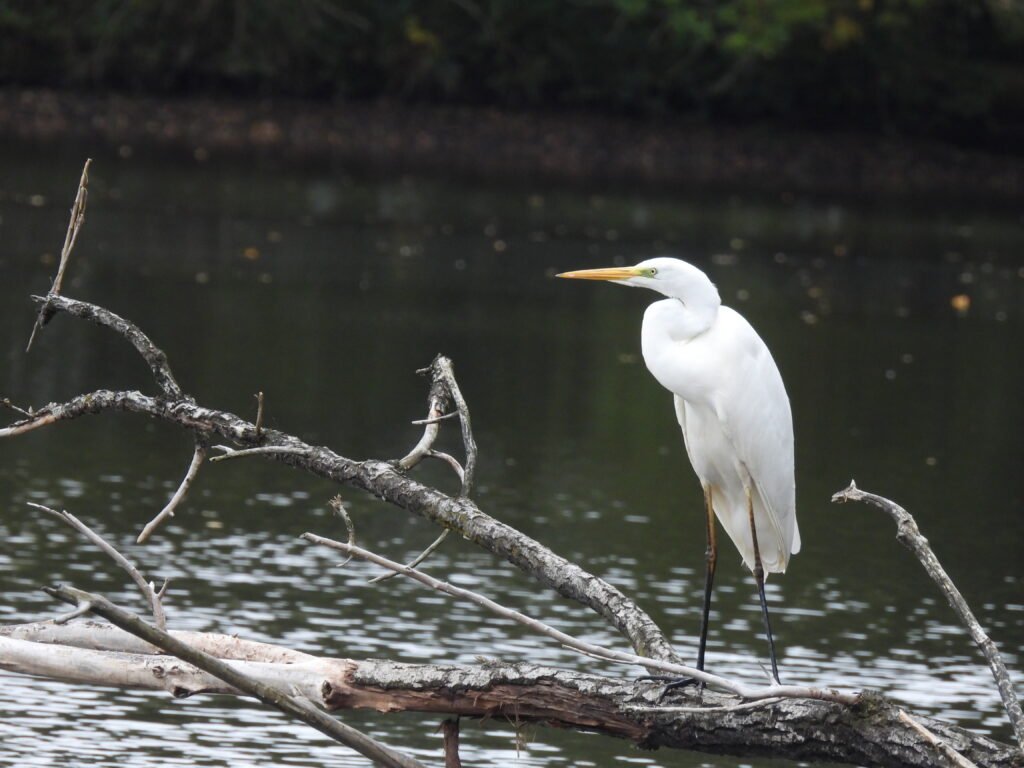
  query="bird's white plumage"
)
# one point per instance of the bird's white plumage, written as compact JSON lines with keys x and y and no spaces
{"x":730,"y":403}
{"x":738,"y":432}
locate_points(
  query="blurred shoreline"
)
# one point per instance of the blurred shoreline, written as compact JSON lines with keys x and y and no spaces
{"x":577,"y":147}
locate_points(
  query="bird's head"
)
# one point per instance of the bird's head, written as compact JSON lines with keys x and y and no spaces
{"x":672,"y":277}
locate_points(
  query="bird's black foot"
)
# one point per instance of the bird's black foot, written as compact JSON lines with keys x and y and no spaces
{"x":673,"y":683}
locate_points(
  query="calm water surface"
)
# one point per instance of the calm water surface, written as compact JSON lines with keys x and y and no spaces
{"x":327,"y":292}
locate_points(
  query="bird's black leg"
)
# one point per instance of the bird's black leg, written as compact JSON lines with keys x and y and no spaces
{"x":759,"y":578}
{"x":710,"y":560}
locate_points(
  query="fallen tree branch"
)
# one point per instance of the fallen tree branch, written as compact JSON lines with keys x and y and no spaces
{"x":385,"y":481}
{"x":908,"y":534}
{"x":870,"y":734}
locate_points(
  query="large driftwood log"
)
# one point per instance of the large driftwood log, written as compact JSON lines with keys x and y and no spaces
{"x":870,"y":734}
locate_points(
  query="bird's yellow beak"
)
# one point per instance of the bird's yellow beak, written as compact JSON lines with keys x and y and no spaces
{"x":606,"y":273}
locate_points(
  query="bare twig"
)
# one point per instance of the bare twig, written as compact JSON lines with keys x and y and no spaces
{"x":179,"y":495}
{"x":297,"y":707}
{"x":231,"y":453}
{"x":339,"y":509}
{"x":451,"y":461}
{"x":745,"y":705}
{"x":259,"y":416}
{"x":713,"y":681}
{"x":83,"y":608}
{"x":910,"y":536}
{"x":951,"y":754}
{"x":415,"y":561}
{"x":148,"y":592}
{"x":74,"y":226}
{"x":436,"y":420}
{"x":6,"y":402}
{"x":34,"y":421}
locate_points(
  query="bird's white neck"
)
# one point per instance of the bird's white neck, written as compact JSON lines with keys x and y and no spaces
{"x":669,"y":323}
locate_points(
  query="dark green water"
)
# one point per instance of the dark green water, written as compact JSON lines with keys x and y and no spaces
{"x":327,"y":292}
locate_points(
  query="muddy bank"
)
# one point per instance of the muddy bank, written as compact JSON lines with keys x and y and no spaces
{"x":492,"y":143}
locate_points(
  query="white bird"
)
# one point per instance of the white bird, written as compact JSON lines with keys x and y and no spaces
{"x":734,"y":412}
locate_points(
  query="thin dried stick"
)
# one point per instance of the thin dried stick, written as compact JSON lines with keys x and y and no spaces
{"x":6,"y":402}
{"x":83,"y":608}
{"x":908,"y":534}
{"x":179,"y":495}
{"x":231,"y":453}
{"x":295,"y":706}
{"x":35,"y":421}
{"x":451,"y":461}
{"x":713,"y":681}
{"x":746,"y":705}
{"x":415,"y":561}
{"x":435,"y":420}
{"x":148,"y":592}
{"x":259,"y":416}
{"x":74,"y":225}
{"x":339,"y":509}
{"x":951,"y":754}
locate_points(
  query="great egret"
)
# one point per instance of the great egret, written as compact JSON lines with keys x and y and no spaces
{"x":732,"y":407}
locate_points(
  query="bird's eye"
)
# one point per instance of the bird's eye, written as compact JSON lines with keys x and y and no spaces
{"x":652,"y":272}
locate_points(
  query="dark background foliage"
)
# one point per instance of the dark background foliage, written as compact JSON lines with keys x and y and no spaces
{"x":947,"y":68}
